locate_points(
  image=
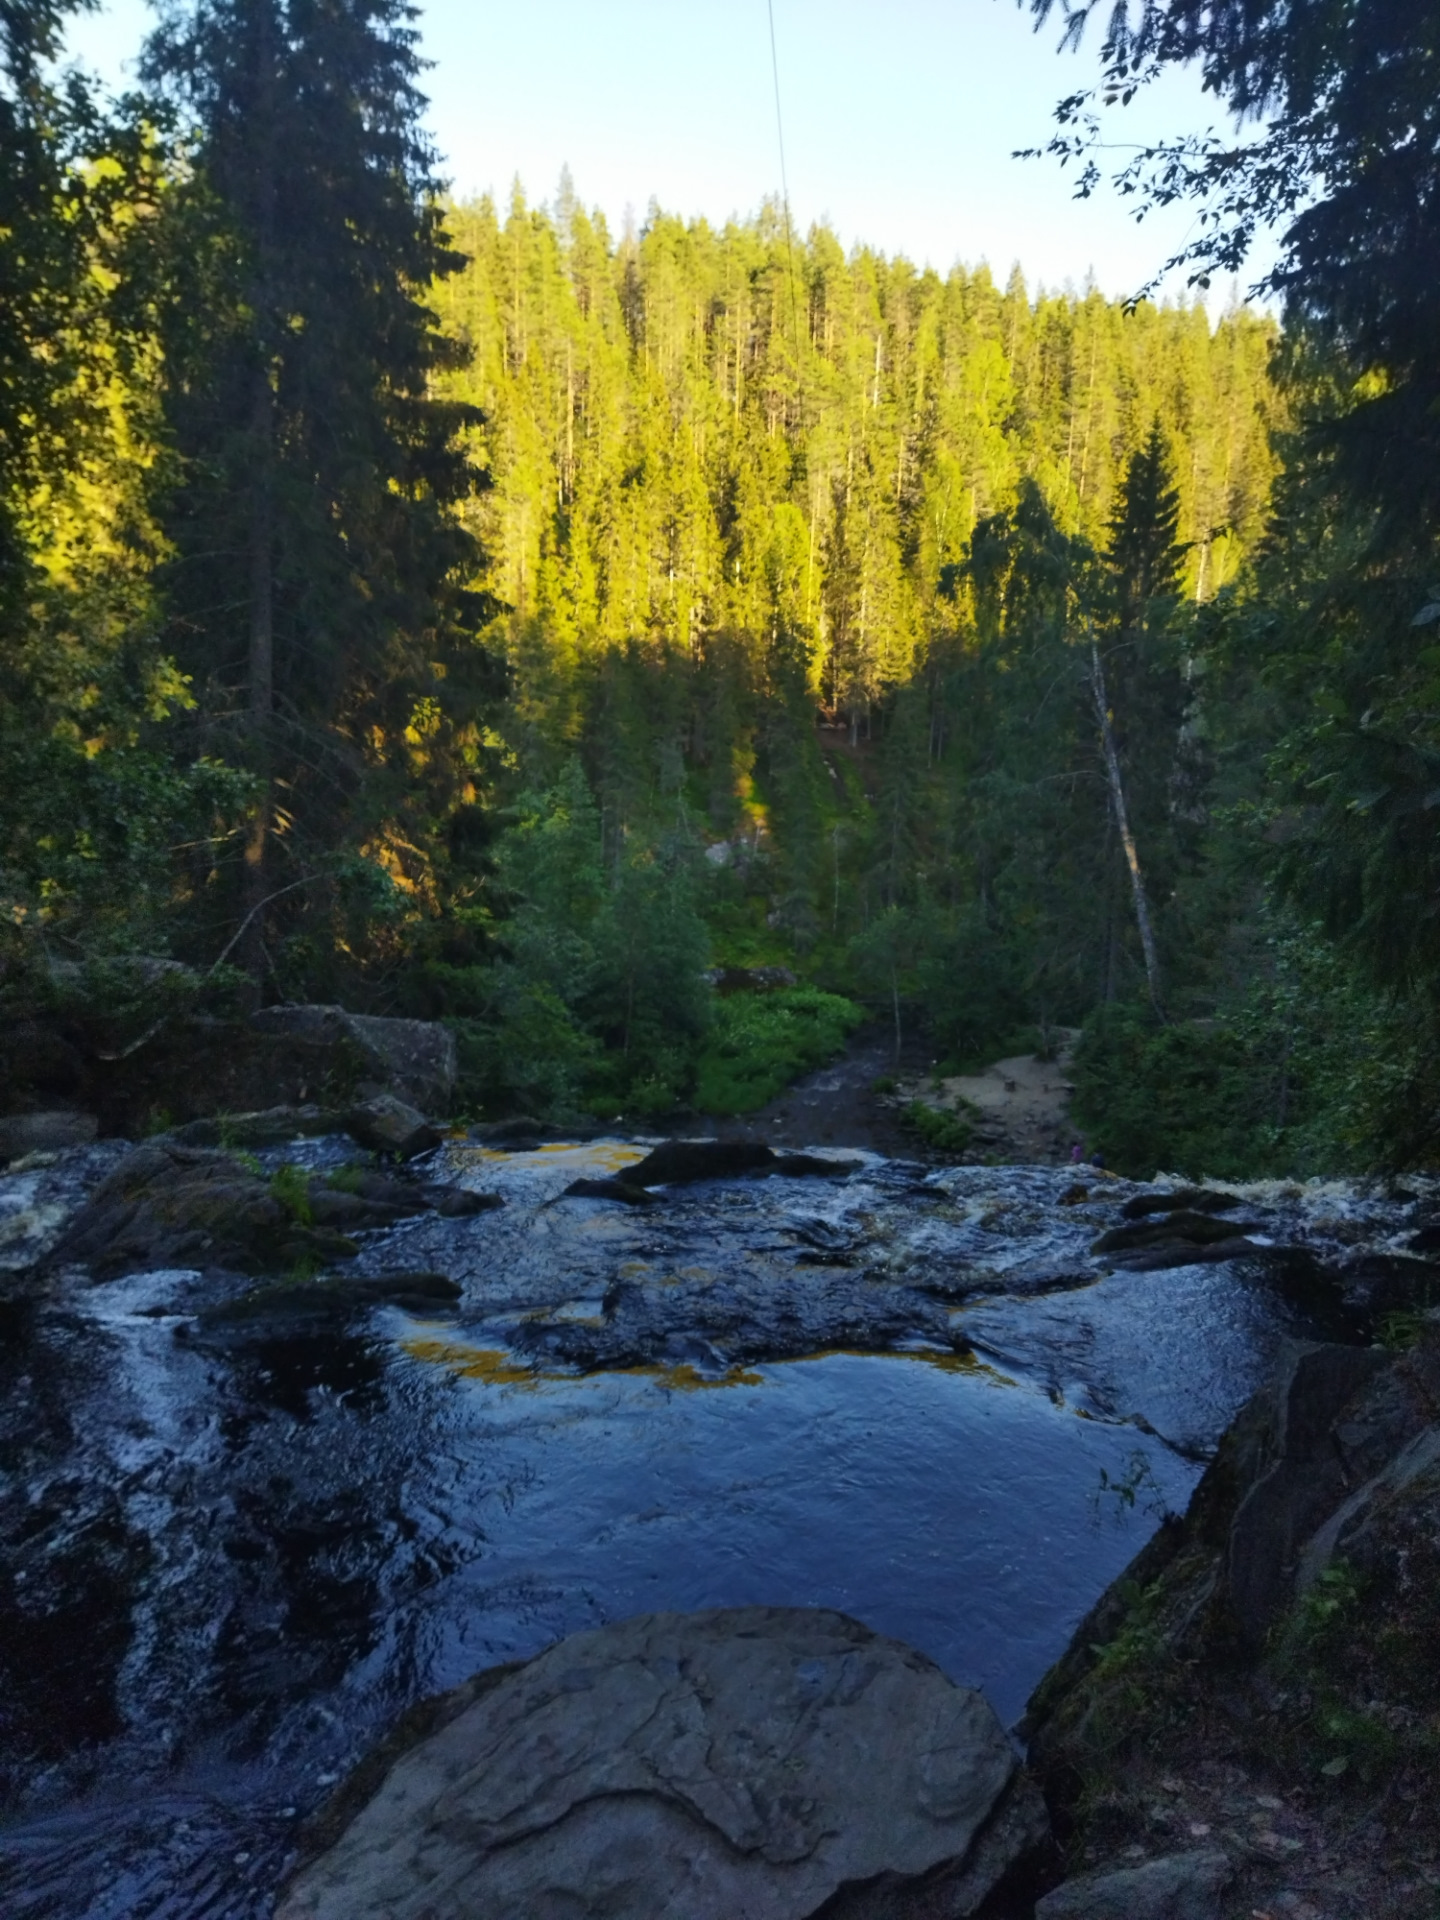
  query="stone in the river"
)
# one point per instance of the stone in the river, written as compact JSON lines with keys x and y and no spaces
{"x":171,"y":1206}
{"x":798,"y":1165}
{"x":22,"y":1133}
{"x":1194,"y":1199}
{"x":283,"y":1303}
{"x":764,"y":1761}
{"x":624,"y":1191}
{"x":1194,"y":1228}
{"x":1181,"y":1886}
{"x":388,"y":1125}
{"x":678,"y":1162}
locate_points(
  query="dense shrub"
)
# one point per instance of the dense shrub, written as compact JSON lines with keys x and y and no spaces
{"x":759,"y":1042}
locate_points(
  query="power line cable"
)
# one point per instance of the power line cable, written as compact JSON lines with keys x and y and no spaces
{"x":785,"y":200}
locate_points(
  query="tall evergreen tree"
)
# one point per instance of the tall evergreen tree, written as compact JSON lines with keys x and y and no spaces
{"x":1145,"y":553}
{"x":318,"y":587}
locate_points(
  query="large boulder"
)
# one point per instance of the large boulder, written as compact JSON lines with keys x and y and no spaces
{"x":1181,"y":1886}
{"x":46,"y":1132}
{"x":766,"y":1761}
{"x":170,"y":1205}
{"x":414,"y":1060}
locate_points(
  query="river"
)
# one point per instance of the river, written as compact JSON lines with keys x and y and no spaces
{"x":231,"y":1562}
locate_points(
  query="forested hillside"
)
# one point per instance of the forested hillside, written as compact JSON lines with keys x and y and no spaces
{"x":496,"y":619}
{"x":695,"y":432}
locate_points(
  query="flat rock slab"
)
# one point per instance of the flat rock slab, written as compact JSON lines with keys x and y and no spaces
{"x":1181,"y":1886}
{"x":747,"y":1764}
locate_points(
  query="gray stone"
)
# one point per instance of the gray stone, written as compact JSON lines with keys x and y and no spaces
{"x":1299,"y":1485}
{"x":388,"y":1125}
{"x":412,"y":1059}
{"x":1181,"y":1886}
{"x":764,"y":1761}
{"x":22,"y":1133}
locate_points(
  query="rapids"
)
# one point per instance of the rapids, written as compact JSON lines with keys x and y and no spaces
{"x":234,"y":1553}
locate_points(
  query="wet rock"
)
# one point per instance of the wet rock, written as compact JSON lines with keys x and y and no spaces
{"x":763,"y":1761}
{"x":1388,"y":1441}
{"x":332,"y":1297}
{"x":1191,"y":1199}
{"x":1194,"y":1228}
{"x":49,"y":1132}
{"x":625,"y":1191}
{"x":387,"y":1125}
{"x":797,"y":1166}
{"x":1181,"y":1886}
{"x":1185,"y":1253}
{"x":171,"y":1206}
{"x":411,"y":1060}
{"x":1372,"y":1285}
{"x":680,"y":1162}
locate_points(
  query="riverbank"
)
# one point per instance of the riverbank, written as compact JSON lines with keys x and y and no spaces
{"x":1265,"y":1680}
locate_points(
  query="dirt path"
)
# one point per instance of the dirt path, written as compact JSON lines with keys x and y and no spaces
{"x":1018,"y":1106}
{"x":837,"y":1106}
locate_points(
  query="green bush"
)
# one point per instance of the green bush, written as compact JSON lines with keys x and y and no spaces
{"x":1181,"y":1098}
{"x":759,"y":1042}
{"x":945,"y":1131}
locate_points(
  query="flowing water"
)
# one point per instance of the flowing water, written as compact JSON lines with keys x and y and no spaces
{"x":231,"y":1562}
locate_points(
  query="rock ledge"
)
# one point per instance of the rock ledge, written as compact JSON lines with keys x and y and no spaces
{"x":763,"y":1761}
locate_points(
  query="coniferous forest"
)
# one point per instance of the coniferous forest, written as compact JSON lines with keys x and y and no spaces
{"x":471,"y":612}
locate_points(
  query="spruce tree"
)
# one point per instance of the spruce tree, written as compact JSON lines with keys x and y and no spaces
{"x":1145,"y":552}
{"x":317,"y":587}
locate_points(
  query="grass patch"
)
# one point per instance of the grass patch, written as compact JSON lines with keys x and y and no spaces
{"x":759,"y":1042}
{"x":291,"y":1187}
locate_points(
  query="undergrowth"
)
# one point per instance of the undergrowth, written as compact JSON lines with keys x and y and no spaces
{"x":759,"y":1042}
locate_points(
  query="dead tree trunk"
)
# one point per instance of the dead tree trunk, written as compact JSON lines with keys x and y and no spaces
{"x":1122,"y":822}
{"x":260,"y":661}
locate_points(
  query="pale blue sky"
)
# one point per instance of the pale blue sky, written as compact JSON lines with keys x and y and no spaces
{"x":900,"y":119}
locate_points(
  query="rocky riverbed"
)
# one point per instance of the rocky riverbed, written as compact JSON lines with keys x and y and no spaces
{"x":255,"y":1507}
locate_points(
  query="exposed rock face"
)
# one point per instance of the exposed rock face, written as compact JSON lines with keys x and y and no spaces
{"x":413,"y":1060}
{"x":388,"y":1125}
{"x":763,"y":1761}
{"x":1337,"y":1458}
{"x":45,"y":1132}
{"x":1182,"y":1886}
{"x":1298,"y":1479}
{"x":168,"y":1205}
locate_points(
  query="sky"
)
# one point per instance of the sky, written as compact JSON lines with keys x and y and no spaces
{"x":900,"y":118}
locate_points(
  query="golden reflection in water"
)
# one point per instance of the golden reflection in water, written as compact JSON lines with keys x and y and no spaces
{"x":606,"y":1156}
{"x":497,"y":1368}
